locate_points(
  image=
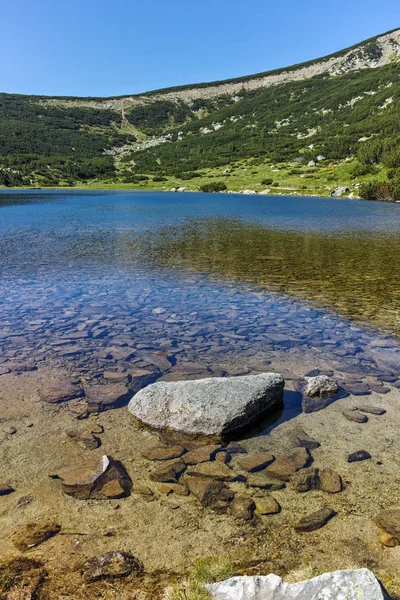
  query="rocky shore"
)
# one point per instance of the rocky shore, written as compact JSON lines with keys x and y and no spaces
{"x":96,"y":504}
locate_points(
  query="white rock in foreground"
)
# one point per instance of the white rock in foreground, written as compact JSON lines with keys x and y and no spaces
{"x":207,"y":406}
{"x":339,"y":585}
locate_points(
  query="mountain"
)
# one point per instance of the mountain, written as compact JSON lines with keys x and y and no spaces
{"x":303,"y":129}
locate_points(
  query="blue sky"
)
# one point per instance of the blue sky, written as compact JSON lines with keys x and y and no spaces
{"x":112,"y":47}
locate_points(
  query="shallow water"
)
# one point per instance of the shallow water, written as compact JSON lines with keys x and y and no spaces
{"x":207,"y":284}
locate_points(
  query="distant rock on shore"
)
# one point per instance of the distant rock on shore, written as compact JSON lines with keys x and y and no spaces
{"x":214,"y":406}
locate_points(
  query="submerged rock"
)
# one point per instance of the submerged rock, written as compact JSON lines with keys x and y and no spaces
{"x":359,"y":584}
{"x":31,"y":535}
{"x":106,"y":397}
{"x":210,"y":492}
{"x":358,"y":456}
{"x":286,"y":465}
{"x":99,"y":481}
{"x":110,"y":565}
{"x":389,"y":521}
{"x":315,"y":520}
{"x":213,"y":406}
{"x":62,"y":390}
{"x":320,"y":386}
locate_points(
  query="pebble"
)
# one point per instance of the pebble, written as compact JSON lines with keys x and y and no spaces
{"x":358,"y":456}
{"x":267,"y":505}
{"x":315,"y":520}
{"x":354,"y":415}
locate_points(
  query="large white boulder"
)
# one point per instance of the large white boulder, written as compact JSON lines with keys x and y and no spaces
{"x":207,"y":406}
{"x":339,"y":585}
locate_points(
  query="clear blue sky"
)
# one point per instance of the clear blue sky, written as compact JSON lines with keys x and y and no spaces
{"x":113,"y":47}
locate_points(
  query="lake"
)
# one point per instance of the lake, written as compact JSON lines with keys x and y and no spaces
{"x":199,"y":284}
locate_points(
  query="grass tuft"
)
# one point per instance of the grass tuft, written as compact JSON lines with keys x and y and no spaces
{"x":203,"y":571}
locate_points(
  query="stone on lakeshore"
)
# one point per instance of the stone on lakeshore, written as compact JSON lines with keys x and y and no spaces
{"x":372,"y":410}
{"x":389,"y":521}
{"x":359,"y":455}
{"x":209,"y":492}
{"x":144,"y":491}
{"x":87,"y":481}
{"x":11,"y":430}
{"x":62,"y":390}
{"x":140,"y":378}
{"x":303,"y":440}
{"x":219,"y":405}
{"x":286,"y":465}
{"x":315,"y":520}
{"x":358,"y":389}
{"x":359,"y":584}
{"x":106,"y":397}
{"x":256,"y":462}
{"x":388,"y":540}
{"x":306,"y":480}
{"x":354,"y":415}
{"x":330,"y":481}
{"x":6,"y":489}
{"x":200,"y":454}
{"x":86,"y":440}
{"x":162,"y":453}
{"x":169,"y":472}
{"x":267,"y":505}
{"x":263,"y":482}
{"x":214,"y":470}
{"x":242,"y":507}
{"x":320,"y":386}
{"x":174,"y":488}
{"x":111,"y":565}
{"x":223,"y":457}
{"x":309,"y":405}
{"x":31,"y":535}
{"x":235,"y":448}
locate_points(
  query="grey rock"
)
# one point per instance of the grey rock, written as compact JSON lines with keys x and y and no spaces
{"x":354,"y":415}
{"x":303,"y":440}
{"x":359,"y":455}
{"x":359,"y":584}
{"x":111,"y":565}
{"x":320,"y":386}
{"x":213,"y":406}
{"x":315,"y":520}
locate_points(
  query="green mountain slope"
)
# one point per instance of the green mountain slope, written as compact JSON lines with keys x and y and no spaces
{"x":307,"y":128}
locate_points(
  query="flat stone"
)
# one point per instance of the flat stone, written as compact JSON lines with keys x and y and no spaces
{"x":169,"y":472}
{"x":140,"y":378}
{"x":242,"y":507}
{"x":6,"y":489}
{"x":267,"y":505}
{"x":113,"y":489}
{"x":162,"y":453}
{"x":261,"y":481}
{"x":111,"y":565}
{"x":320,"y":386}
{"x":286,"y":465}
{"x":200,"y":455}
{"x":309,"y":405}
{"x":340,"y":585}
{"x":372,"y":410}
{"x":86,"y":440}
{"x":388,"y":540}
{"x":306,"y":480}
{"x":31,"y":535}
{"x":215,"y":406}
{"x":174,"y":488}
{"x":86,"y":482}
{"x":223,"y":457}
{"x":303,"y":440}
{"x":143,"y":490}
{"x":209,"y":492}
{"x":330,"y":481}
{"x":106,"y":397}
{"x":62,"y":390}
{"x":357,"y":389}
{"x":256,"y":462}
{"x":389,"y":521}
{"x":214,"y":470}
{"x":354,"y":415}
{"x":235,"y":448}
{"x":359,"y":455}
{"x":11,"y":430}
{"x":315,"y":520}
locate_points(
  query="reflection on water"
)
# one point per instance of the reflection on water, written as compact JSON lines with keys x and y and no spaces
{"x":191,"y":285}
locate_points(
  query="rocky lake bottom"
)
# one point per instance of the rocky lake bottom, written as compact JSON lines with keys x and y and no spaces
{"x":102,"y":295}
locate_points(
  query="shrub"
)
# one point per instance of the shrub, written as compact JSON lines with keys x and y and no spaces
{"x":375,"y":190}
{"x":158,"y":178}
{"x":266,"y":181}
{"x":361,"y":169}
{"x":213,"y":186}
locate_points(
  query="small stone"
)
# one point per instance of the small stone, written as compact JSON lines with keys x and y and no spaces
{"x":357,"y":389}
{"x":306,"y":480}
{"x":359,"y":455}
{"x":389,"y":521}
{"x":106,"y":397}
{"x":88,"y":480}
{"x":144,"y":491}
{"x":223,"y":457}
{"x":111,"y":565}
{"x":303,"y":440}
{"x":267,"y":505}
{"x":315,"y":520}
{"x":330,"y":481}
{"x":388,"y":540}
{"x":168,"y":472}
{"x":209,"y":492}
{"x":24,"y":501}
{"x":95,"y":428}
{"x":86,"y":440}
{"x":31,"y":535}
{"x":173,"y":488}
{"x":235,"y":448}
{"x":62,"y":390}
{"x":113,"y":489}
{"x":200,"y":455}
{"x":214,"y":470}
{"x":354,"y":415}
{"x":10,"y":430}
{"x":261,"y":481}
{"x":242,"y":507}
{"x":286,"y":465}
{"x":164,"y":453}
{"x":320,"y":386}
{"x":6,"y":489}
{"x":256,"y":462}
{"x":373,"y":410}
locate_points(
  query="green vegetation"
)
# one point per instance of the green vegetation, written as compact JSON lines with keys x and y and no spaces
{"x":203,"y":571}
{"x":214,"y":186}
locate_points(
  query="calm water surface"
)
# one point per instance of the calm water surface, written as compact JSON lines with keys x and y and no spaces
{"x":209,"y":284}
